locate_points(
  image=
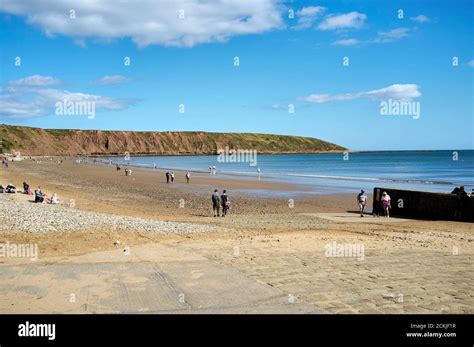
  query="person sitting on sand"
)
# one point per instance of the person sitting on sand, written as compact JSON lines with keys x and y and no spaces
{"x":225,"y":203}
{"x":118,"y":168}
{"x":10,"y":189}
{"x":386,"y":204}
{"x":54,"y":199}
{"x":215,"y":203}
{"x":38,"y":196}
{"x":26,"y":188}
{"x":188,"y":176}
{"x":362,"y":201}
{"x":2,"y":190}
{"x":167,"y":177}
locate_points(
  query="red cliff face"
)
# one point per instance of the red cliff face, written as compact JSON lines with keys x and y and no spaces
{"x":35,"y":141}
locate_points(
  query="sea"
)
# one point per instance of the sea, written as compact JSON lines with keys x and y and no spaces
{"x":329,"y":173}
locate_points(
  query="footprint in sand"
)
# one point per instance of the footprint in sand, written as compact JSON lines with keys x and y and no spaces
{"x":195,"y":274}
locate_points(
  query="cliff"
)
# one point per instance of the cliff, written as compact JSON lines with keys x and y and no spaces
{"x":36,"y":141}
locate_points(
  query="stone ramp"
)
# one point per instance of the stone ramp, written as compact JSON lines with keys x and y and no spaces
{"x":348,"y":217}
{"x":151,"y":279}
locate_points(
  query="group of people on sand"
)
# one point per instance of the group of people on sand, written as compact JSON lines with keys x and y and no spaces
{"x":385,"y":201}
{"x":38,"y":194}
{"x":462,"y":201}
{"x":128,"y":172}
{"x":41,"y":197}
{"x":10,"y":188}
{"x":170,"y":176}
{"x":220,"y":201}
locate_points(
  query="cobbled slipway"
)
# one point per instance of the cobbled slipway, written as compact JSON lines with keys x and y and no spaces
{"x":44,"y":218}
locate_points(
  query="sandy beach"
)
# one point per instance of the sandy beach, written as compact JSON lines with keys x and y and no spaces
{"x":267,"y":244}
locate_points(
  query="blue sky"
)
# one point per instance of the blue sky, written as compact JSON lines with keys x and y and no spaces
{"x":284,"y":61}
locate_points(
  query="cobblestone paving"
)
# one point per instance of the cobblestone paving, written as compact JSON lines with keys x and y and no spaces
{"x":385,"y":281}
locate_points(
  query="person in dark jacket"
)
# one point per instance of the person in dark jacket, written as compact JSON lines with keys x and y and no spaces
{"x":216,"y":203}
{"x":462,"y":199}
{"x":225,"y":203}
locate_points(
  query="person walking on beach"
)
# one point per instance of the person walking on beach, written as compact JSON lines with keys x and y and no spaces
{"x":362,"y":201}
{"x":188,"y":176}
{"x":172,"y":177}
{"x":213,"y":170}
{"x":258,"y":173}
{"x":167,"y":177}
{"x":215,"y":203}
{"x":210,"y":170}
{"x":386,"y":204}
{"x":225,"y":203}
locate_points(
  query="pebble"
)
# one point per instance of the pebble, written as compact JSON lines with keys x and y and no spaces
{"x":44,"y":218}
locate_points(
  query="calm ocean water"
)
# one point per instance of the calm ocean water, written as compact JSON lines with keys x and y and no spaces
{"x":330,"y":173}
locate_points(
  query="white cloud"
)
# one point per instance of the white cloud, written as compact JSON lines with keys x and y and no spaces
{"x":112,"y":79}
{"x":12,"y":108}
{"x":51,"y":96}
{"x":382,"y":37}
{"x":395,"y":91}
{"x":347,"y":42}
{"x":35,"y":81}
{"x":149,"y":22}
{"x":307,"y":16}
{"x":351,"y":20}
{"x":32,"y":96}
{"x":322,"y":98}
{"x":420,"y":19}
{"x":391,"y":35}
